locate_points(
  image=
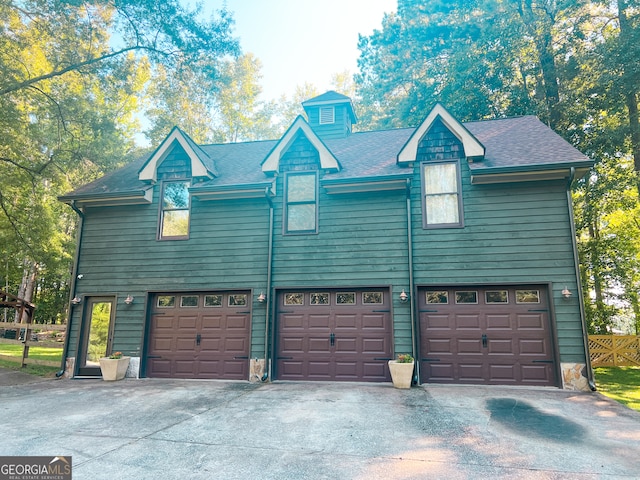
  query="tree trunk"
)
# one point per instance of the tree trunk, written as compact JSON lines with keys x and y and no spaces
{"x":631,"y":83}
{"x":27,"y":287}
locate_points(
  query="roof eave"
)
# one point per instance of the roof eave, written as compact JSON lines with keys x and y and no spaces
{"x":232,"y":192}
{"x":365,"y":184}
{"x":136,"y":197}
{"x":529,"y":173}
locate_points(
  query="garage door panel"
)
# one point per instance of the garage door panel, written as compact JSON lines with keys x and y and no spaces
{"x":211,"y":322}
{"x":187,"y":323}
{"x":488,"y":341}
{"x":434,"y":322}
{"x":340,"y":339}
{"x":374,"y":322}
{"x":498,"y":322}
{"x":469,"y":346}
{"x":293,"y":345}
{"x":440,"y":371}
{"x":235,"y":345}
{"x":528,"y":321}
{"x":291,"y":321}
{"x":372,"y":371}
{"x":465,"y":322}
{"x":348,"y":322}
{"x":533,"y":347}
{"x":318,"y":344}
{"x":536,"y":373}
{"x":191,"y":342}
{"x":471,"y":371}
{"x":346,"y":344}
{"x":347,"y":370}
{"x":375,"y":346}
{"x":501,"y":347}
{"x":439,"y":345}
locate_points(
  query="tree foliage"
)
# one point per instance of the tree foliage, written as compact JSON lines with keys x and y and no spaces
{"x":71,"y":77}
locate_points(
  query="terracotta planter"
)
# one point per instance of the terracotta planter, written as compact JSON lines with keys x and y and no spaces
{"x":114,"y":368}
{"x":401,"y":373}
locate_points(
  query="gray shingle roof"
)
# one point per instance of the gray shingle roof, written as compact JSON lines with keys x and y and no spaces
{"x":512,"y":143}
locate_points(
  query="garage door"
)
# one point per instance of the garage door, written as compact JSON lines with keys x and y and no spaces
{"x":338,"y":335}
{"x":199,"y":336}
{"x":488,"y":335}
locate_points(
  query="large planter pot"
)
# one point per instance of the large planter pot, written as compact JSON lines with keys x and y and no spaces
{"x":401,"y":373}
{"x":114,"y":368}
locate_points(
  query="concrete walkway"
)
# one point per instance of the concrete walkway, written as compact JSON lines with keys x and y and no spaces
{"x":170,"y":429}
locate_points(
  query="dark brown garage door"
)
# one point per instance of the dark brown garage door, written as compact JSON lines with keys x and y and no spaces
{"x":334,"y":335}
{"x":199,"y":336}
{"x":488,"y":335}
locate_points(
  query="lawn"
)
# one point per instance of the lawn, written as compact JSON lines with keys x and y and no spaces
{"x":621,"y":384}
{"x":37,"y":353}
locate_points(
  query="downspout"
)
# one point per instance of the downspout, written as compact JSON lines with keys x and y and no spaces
{"x":267,"y":370}
{"x":576,"y":261}
{"x":414,"y":347}
{"x":72,"y":292}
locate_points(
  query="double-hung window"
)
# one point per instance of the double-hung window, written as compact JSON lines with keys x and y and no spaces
{"x":441,"y":199}
{"x":174,"y":214}
{"x":301,"y":209}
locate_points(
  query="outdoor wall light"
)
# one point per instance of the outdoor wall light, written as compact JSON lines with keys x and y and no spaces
{"x":128,"y":300}
{"x":403,"y":296}
{"x":262,"y":298}
{"x":566,"y":293}
{"x":76,"y":300}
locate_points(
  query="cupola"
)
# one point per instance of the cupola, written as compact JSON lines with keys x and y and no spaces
{"x":330,"y":115}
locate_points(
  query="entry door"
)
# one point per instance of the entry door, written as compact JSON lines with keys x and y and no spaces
{"x":97,"y":334}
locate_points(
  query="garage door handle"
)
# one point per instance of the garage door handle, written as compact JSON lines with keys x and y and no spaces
{"x":198,"y":338}
{"x":484,"y":340}
{"x":154,"y":356}
{"x":332,"y":339}
{"x":241,"y":358}
{"x":285,"y":358}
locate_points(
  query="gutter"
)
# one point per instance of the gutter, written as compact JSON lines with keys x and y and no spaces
{"x":72,"y":293}
{"x":267,"y":367}
{"x":585,"y":333}
{"x":414,"y":346}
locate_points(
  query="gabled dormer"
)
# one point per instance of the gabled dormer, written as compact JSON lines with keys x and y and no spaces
{"x":311,"y":149}
{"x":440,"y":137}
{"x":331,"y":115}
{"x":198,"y":166}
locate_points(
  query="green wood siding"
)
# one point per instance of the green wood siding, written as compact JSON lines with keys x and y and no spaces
{"x":339,"y":129}
{"x":120,"y":255}
{"x":513,"y":233}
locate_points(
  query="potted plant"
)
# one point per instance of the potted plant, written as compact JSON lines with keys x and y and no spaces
{"x":402,"y":370}
{"x":114,"y":367}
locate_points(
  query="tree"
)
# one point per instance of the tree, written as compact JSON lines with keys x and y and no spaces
{"x":71,"y":75}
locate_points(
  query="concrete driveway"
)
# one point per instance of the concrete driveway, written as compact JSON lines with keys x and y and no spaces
{"x":170,"y":429}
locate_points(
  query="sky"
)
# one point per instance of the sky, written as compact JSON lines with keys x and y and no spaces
{"x":300,"y":41}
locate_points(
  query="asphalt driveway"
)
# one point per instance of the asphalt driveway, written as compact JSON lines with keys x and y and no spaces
{"x":170,"y":429}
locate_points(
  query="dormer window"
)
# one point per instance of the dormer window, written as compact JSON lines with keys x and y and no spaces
{"x":174,"y":213}
{"x":327,"y":115}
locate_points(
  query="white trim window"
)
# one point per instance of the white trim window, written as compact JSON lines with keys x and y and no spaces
{"x":174,"y":211}
{"x":441,"y":195}
{"x":301,"y":214}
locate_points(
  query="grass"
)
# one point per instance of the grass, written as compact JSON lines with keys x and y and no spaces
{"x":37,"y":353}
{"x":621,"y":384}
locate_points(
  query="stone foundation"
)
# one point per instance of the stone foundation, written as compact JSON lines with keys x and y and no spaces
{"x":69,"y":367}
{"x":134,"y":368}
{"x":256,"y":369}
{"x":574,"y":376}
